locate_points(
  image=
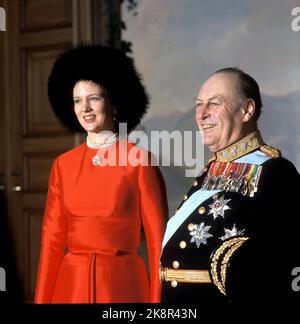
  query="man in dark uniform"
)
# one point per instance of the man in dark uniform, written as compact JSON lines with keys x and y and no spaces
{"x":235,"y":236}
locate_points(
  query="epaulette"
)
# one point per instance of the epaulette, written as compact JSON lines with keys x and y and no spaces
{"x":271,"y":151}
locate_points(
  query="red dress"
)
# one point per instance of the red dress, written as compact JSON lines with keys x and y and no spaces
{"x":91,"y":230}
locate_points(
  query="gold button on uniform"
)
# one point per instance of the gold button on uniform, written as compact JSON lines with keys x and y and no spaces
{"x":195,"y":182}
{"x":201,"y":210}
{"x":215,"y":197}
{"x":174,"y":283}
{"x":182,"y":244}
{"x":185,"y":197}
{"x":175,"y":264}
{"x":191,"y":227}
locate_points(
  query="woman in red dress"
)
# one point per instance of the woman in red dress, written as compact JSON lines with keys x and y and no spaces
{"x":95,"y":209}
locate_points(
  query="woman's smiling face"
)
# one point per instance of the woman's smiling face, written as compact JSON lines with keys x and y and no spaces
{"x":92,"y":109}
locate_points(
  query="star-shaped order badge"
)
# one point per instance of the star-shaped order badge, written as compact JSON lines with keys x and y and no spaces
{"x":200,"y":234}
{"x":231,"y":232}
{"x":218,"y":207}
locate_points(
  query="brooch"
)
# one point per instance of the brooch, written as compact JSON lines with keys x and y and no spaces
{"x":96,"y":160}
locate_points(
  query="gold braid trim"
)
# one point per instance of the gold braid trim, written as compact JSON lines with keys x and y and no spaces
{"x":212,"y":159}
{"x":228,"y":245}
{"x":226,"y":259}
{"x":240,"y":148}
{"x":184,"y":275}
{"x":214,"y":262}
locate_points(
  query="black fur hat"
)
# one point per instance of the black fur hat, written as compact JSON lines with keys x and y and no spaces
{"x":106,"y":66}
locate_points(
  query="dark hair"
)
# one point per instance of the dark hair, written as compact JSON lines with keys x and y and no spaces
{"x":248,"y":88}
{"x":108,"y":67}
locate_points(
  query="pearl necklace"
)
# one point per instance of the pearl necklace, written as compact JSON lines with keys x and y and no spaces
{"x":95,"y":144}
{"x":96,"y":160}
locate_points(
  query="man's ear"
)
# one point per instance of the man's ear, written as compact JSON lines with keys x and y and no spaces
{"x":248,"y":110}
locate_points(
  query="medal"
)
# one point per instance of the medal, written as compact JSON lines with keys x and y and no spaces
{"x":200,"y":234}
{"x":231,"y":232}
{"x":218,"y":207}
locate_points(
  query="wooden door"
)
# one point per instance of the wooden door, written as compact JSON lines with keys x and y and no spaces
{"x":36,"y":32}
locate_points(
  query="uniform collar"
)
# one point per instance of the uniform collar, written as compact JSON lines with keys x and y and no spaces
{"x":242,"y":147}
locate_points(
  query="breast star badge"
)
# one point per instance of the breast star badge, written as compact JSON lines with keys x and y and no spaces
{"x":200,"y":234}
{"x":218,"y":207}
{"x":231,"y":232}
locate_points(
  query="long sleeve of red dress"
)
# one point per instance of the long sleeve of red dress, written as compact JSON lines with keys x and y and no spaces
{"x":153,"y":209}
{"x":53,"y":240}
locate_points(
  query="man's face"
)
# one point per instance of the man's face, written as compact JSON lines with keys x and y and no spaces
{"x":219,"y":115}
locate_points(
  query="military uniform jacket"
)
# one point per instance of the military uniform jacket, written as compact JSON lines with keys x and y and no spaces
{"x":244,"y":233}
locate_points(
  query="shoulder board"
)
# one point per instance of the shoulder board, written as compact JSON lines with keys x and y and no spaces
{"x":271,"y":151}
